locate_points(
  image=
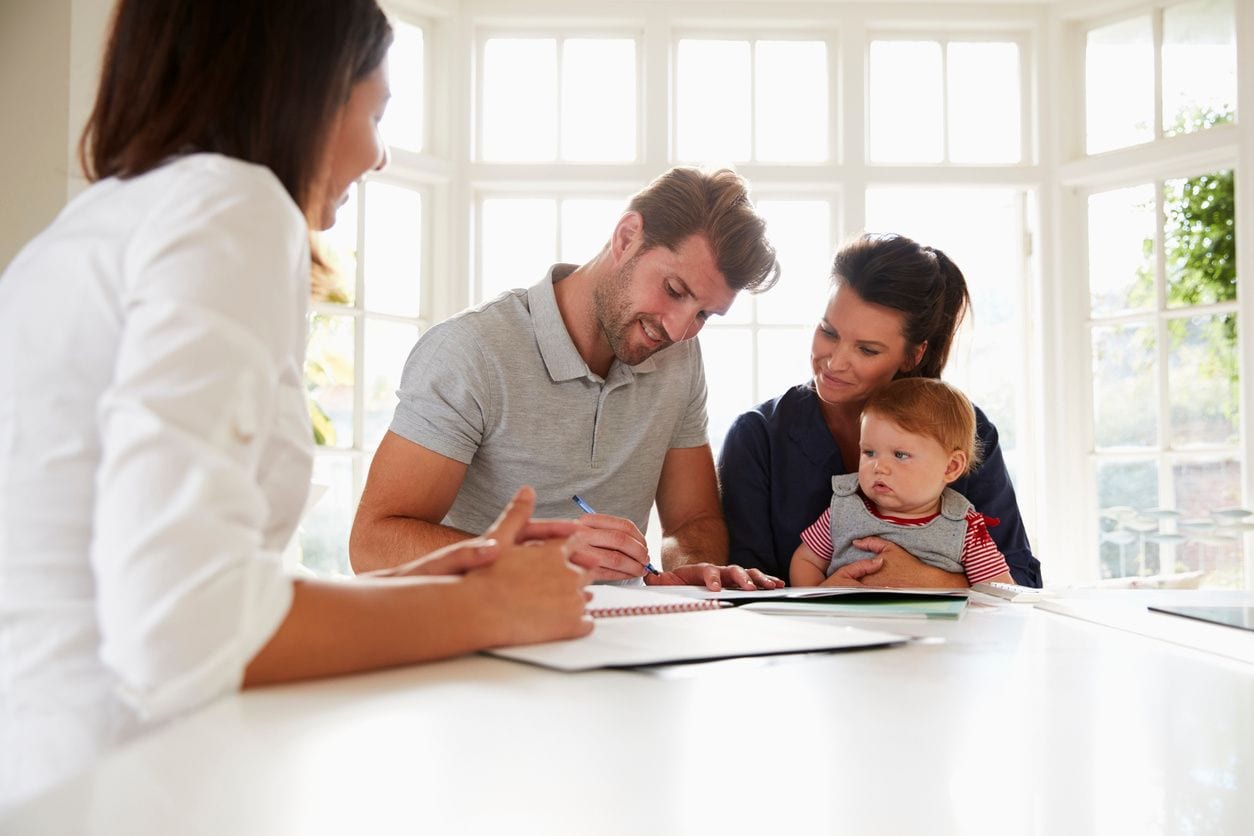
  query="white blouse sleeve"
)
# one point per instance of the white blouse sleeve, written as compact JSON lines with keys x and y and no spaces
{"x":188,"y":589}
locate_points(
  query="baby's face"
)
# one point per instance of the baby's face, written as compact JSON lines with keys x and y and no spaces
{"x":903,"y":473}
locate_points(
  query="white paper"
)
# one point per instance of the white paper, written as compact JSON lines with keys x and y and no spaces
{"x":686,"y":637}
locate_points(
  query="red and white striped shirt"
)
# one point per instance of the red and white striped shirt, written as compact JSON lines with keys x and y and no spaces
{"x":981,"y":559}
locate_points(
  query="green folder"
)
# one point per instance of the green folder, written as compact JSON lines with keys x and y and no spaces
{"x":878,"y":604}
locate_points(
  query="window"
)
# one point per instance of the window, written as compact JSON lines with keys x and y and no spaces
{"x":1166,"y":413}
{"x":369,"y":306}
{"x":945,"y":101}
{"x":1189,"y":47}
{"x":1163,"y":319}
{"x":562,"y":98}
{"x":741,"y":100}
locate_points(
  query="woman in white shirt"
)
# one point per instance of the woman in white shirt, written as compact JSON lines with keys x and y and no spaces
{"x":155,"y":447}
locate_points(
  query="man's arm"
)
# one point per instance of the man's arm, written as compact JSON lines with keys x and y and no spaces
{"x":694,"y":538}
{"x":689,"y":509}
{"x":408,"y":492}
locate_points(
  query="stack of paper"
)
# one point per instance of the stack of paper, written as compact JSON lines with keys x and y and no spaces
{"x":633,"y":640}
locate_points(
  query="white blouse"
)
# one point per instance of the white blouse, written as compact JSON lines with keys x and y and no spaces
{"x":155,"y":453}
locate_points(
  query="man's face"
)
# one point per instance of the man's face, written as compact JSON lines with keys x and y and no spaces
{"x":658,"y":297}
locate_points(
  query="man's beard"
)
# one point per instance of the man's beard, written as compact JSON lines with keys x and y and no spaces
{"x":612,"y":307}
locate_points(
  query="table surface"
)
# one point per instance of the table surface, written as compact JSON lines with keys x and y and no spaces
{"x":1010,"y":720}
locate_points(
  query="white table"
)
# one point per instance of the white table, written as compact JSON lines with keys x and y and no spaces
{"x":1020,"y":721}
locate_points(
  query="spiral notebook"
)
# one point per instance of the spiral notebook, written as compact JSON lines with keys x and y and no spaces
{"x":616,"y":601}
{"x":686,"y":630}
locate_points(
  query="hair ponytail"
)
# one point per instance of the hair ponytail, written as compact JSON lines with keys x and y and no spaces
{"x":920,"y":282}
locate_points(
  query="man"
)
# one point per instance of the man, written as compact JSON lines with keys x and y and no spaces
{"x":588,"y":384}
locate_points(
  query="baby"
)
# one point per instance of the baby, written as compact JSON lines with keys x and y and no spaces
{"x":918,"y":436}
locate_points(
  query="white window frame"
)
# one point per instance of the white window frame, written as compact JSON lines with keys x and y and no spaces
{"x":1078,"y":175}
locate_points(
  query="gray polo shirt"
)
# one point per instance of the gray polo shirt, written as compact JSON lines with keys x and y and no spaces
{"x":501,"y":388}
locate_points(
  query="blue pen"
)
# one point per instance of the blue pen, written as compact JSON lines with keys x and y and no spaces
{"x":588,"y":509}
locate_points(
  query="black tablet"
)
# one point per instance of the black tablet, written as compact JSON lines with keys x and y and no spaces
{"x":1242,"y":617}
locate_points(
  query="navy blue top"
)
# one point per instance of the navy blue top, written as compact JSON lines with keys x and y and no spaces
{"x":776,"y":470}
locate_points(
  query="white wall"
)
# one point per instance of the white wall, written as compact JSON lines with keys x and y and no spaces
{"x":34,"y":92}
{"x":49,"y":65}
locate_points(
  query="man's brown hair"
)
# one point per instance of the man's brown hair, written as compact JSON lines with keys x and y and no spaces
{"x":714,"y":204}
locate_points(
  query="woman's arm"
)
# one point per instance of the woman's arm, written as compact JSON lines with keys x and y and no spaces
{"x":744,"y":480}
{"x":990,"y":490}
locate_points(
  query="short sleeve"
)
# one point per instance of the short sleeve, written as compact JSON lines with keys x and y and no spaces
{"x":693,"y":429}
{"x":445,"y":399}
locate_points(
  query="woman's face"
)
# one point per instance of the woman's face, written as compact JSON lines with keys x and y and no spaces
{"x":354,"y":146}
{"x":858,"y":347}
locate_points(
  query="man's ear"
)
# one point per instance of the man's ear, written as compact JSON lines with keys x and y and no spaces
{"x":915,"y":358}
{"x":627,"y":232}
{"x":956,"y":467}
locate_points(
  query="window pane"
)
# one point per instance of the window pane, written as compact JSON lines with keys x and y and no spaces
{"x":906,"y":102}
{"x":387,"y":346}
{"x":519,"y":242}
{"x":1203,"y":380}
{"x":1199,"y":239}
{"x":1119,"y":85}
{"x":801,"y":233}
{"x":329,"y":375}
{"x":791,"y":101}
{"x":324,"y":530}
{"x":981,"y":231}
{"x":1124,"y":490}
{"x":586,"y":227}
{"x":1124,"y":390}
{"x":336,"y":280}
{"x":393,"y":249}
{"x":984,"y":109}
{"x":1121,"y":250}
{"x":713,"y":107}
{"x":520,"y":99}
{"x":402,"y":122}
{"x":728,"y":354}
{"x":1199,"y":66}
{"x":1213,"y":545}
{"x":598,"y":99}
{"x":783,"y":360}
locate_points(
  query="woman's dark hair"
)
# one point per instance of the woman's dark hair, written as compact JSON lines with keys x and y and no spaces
{"x":258,"y":80}
{"x":920,"y":282}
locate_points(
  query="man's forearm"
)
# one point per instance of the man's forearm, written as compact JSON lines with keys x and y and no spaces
{"x":391,"y":541}
{"x":700,"y":540}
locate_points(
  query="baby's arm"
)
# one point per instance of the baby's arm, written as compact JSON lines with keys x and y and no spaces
{"x":981,"y":559}
{"x":807,"y":568}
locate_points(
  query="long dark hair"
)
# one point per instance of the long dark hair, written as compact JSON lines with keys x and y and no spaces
{"x":258,"y":80}
{"x":920,"y":282}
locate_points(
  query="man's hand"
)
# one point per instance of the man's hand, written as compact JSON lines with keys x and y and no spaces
{"x":615,"y":547}
{"x":715,"y":577}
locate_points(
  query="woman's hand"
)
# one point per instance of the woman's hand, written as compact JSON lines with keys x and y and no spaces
{"x":893,"y":566}
{"x":513,"y":527}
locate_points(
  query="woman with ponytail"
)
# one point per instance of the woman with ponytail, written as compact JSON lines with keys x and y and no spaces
{"x":892,"y":311}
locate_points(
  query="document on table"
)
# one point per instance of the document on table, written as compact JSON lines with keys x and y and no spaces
{"x":630,"y":641}
{"x":869,"y":604}
{"x":790,"y":593}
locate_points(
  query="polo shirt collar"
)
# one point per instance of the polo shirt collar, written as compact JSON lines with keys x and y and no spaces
{"x":561,"y":358}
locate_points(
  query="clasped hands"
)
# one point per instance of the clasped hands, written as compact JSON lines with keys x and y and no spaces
{"x":602,"y":546}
